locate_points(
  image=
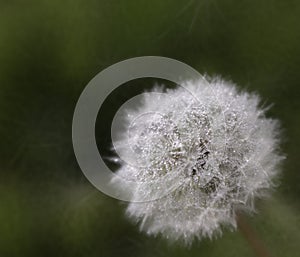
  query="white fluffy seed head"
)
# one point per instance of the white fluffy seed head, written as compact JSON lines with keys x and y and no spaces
{"x":214,"y":143}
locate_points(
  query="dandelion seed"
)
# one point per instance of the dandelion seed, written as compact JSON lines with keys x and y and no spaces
{"x":217,"y":145}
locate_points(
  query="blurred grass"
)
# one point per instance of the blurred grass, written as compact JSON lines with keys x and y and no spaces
{"x":49,"y":52}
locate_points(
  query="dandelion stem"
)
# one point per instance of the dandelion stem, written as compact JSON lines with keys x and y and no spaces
{"x":252,"y":238}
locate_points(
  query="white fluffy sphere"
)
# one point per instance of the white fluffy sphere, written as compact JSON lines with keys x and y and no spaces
{"x":216,"y":145}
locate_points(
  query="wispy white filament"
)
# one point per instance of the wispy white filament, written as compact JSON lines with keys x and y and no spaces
{"x":216,"y":144}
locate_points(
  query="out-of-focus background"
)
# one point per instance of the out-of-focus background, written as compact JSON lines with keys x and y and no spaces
{"x":50,"y":50}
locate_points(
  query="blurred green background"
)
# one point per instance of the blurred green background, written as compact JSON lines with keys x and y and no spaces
{"x":50,"y":50}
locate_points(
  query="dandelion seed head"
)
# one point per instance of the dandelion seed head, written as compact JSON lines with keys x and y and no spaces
{"x":213,"y":142}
